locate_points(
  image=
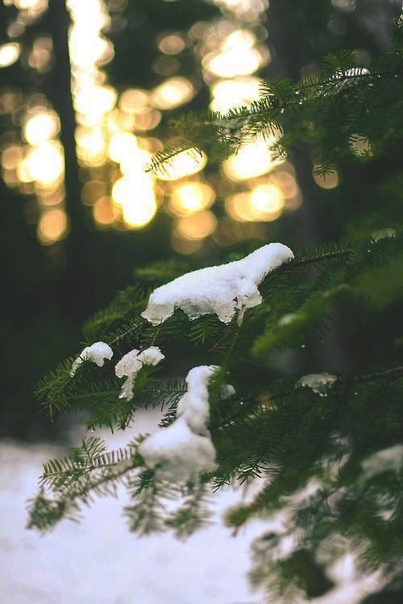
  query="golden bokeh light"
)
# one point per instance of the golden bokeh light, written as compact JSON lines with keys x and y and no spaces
{"x":11,"y":157}
{"x":183,"y":164}
{"x":172,"y":44}
{"x":172,"y":93}
{"x":9,"y":54}
{"x":105,"y":212}
{"x":264,"y":203}
{"x":191,"y":197}
{"x":133,"y":99}
{"x":135,"y":190}
{"x":45,"y":163}
{"x":286,"y":182}
{"x":92,"y":190}
{"x":197,"y":226}
{"x":29,"y":5}
{"x":253,"y":159}
{"x":93,"y":102}
{"x":53,"y":226}
{"x":146,"y":119}
{"x":232,"y":63}
{"x":330,"y":180}
{"x":140,"y":207}
{"x":88,"y":47}
{"x":40,"y":125}
{"x":122,"y":145}
{"x":227,"y":94}
{"x":267,"y":201}
{"x":91,"y":146}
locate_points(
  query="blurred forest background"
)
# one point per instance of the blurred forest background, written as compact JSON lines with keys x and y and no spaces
{"x":87,"y":91}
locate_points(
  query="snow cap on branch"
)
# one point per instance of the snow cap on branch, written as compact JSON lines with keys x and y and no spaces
{"x":222,"y":290}
{"x":318,"y":382}
{"x":97,"y":353}
{"x":184,"y":449}
{"x":131,"y":363}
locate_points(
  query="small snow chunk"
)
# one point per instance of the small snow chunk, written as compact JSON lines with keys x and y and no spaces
{"x":179,"y":454}
{"x":97,"y":353}
{"x":227,"y":391}
{"x":131,"y":363}
{"x":220,"y":290}
{"x":386,"y":460}
{"x":151,"y":356}
{"x":383,"y":234}
{"x":193,"y":407}
{"x":318,"y":382}
{"x":184,"y":449}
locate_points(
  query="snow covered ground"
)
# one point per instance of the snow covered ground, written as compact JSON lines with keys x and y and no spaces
{"x":98,"y":561}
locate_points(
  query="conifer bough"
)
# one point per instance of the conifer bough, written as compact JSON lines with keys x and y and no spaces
{"x":326,"y":446}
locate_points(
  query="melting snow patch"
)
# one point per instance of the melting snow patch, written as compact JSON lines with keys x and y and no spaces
{"x":222,"y":290}
{"x":318,"y":382}
{"x":131,"y":363}
{"x":184,"y":449}
{"x":97,"y":353}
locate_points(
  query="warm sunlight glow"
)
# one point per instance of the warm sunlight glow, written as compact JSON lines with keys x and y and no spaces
{"x":263,"y":204}
{"x":172,"y":93}
{"x":196,"y":226}
{"x":9,"y":54}
{"x":172,"y":44}
{"x":11,"y":156}
{"x":45,"y":163}
{"x":91,"y":146}
{"x":267,"y":200}
{"x":40,"y":125}
{"x":227,"y":94}
{"x":121,"y":146}
{"x":93,"y":102}
{"x":134,"y":192}
{"x":183,"y":164}
{"x":53,"y":226}
{"x":191,"y":197}
{"x":104,"y":212}
{"x":234,"y":62}
{"x":252,"y":160}
{"x":133,"y":99}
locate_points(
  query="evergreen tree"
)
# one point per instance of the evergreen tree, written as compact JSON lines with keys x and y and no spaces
{"x":325,"y":444}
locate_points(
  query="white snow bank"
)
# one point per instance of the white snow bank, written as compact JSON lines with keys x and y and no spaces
{"x":222,"y":290}
{"x":184,"y":449}
{"x":319,"y":382}
{"x":97,"y":353}
{"x":131,"y":363}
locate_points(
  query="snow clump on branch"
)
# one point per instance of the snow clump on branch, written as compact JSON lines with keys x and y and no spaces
{"x":131,"y":363}
{"x":184,"y":449}
{"x":222,"y":290}
{"x":318,"y":382}
{"x":97,"y":353}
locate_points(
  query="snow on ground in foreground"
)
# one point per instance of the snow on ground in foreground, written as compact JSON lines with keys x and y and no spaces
{"x":98,"y":561}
